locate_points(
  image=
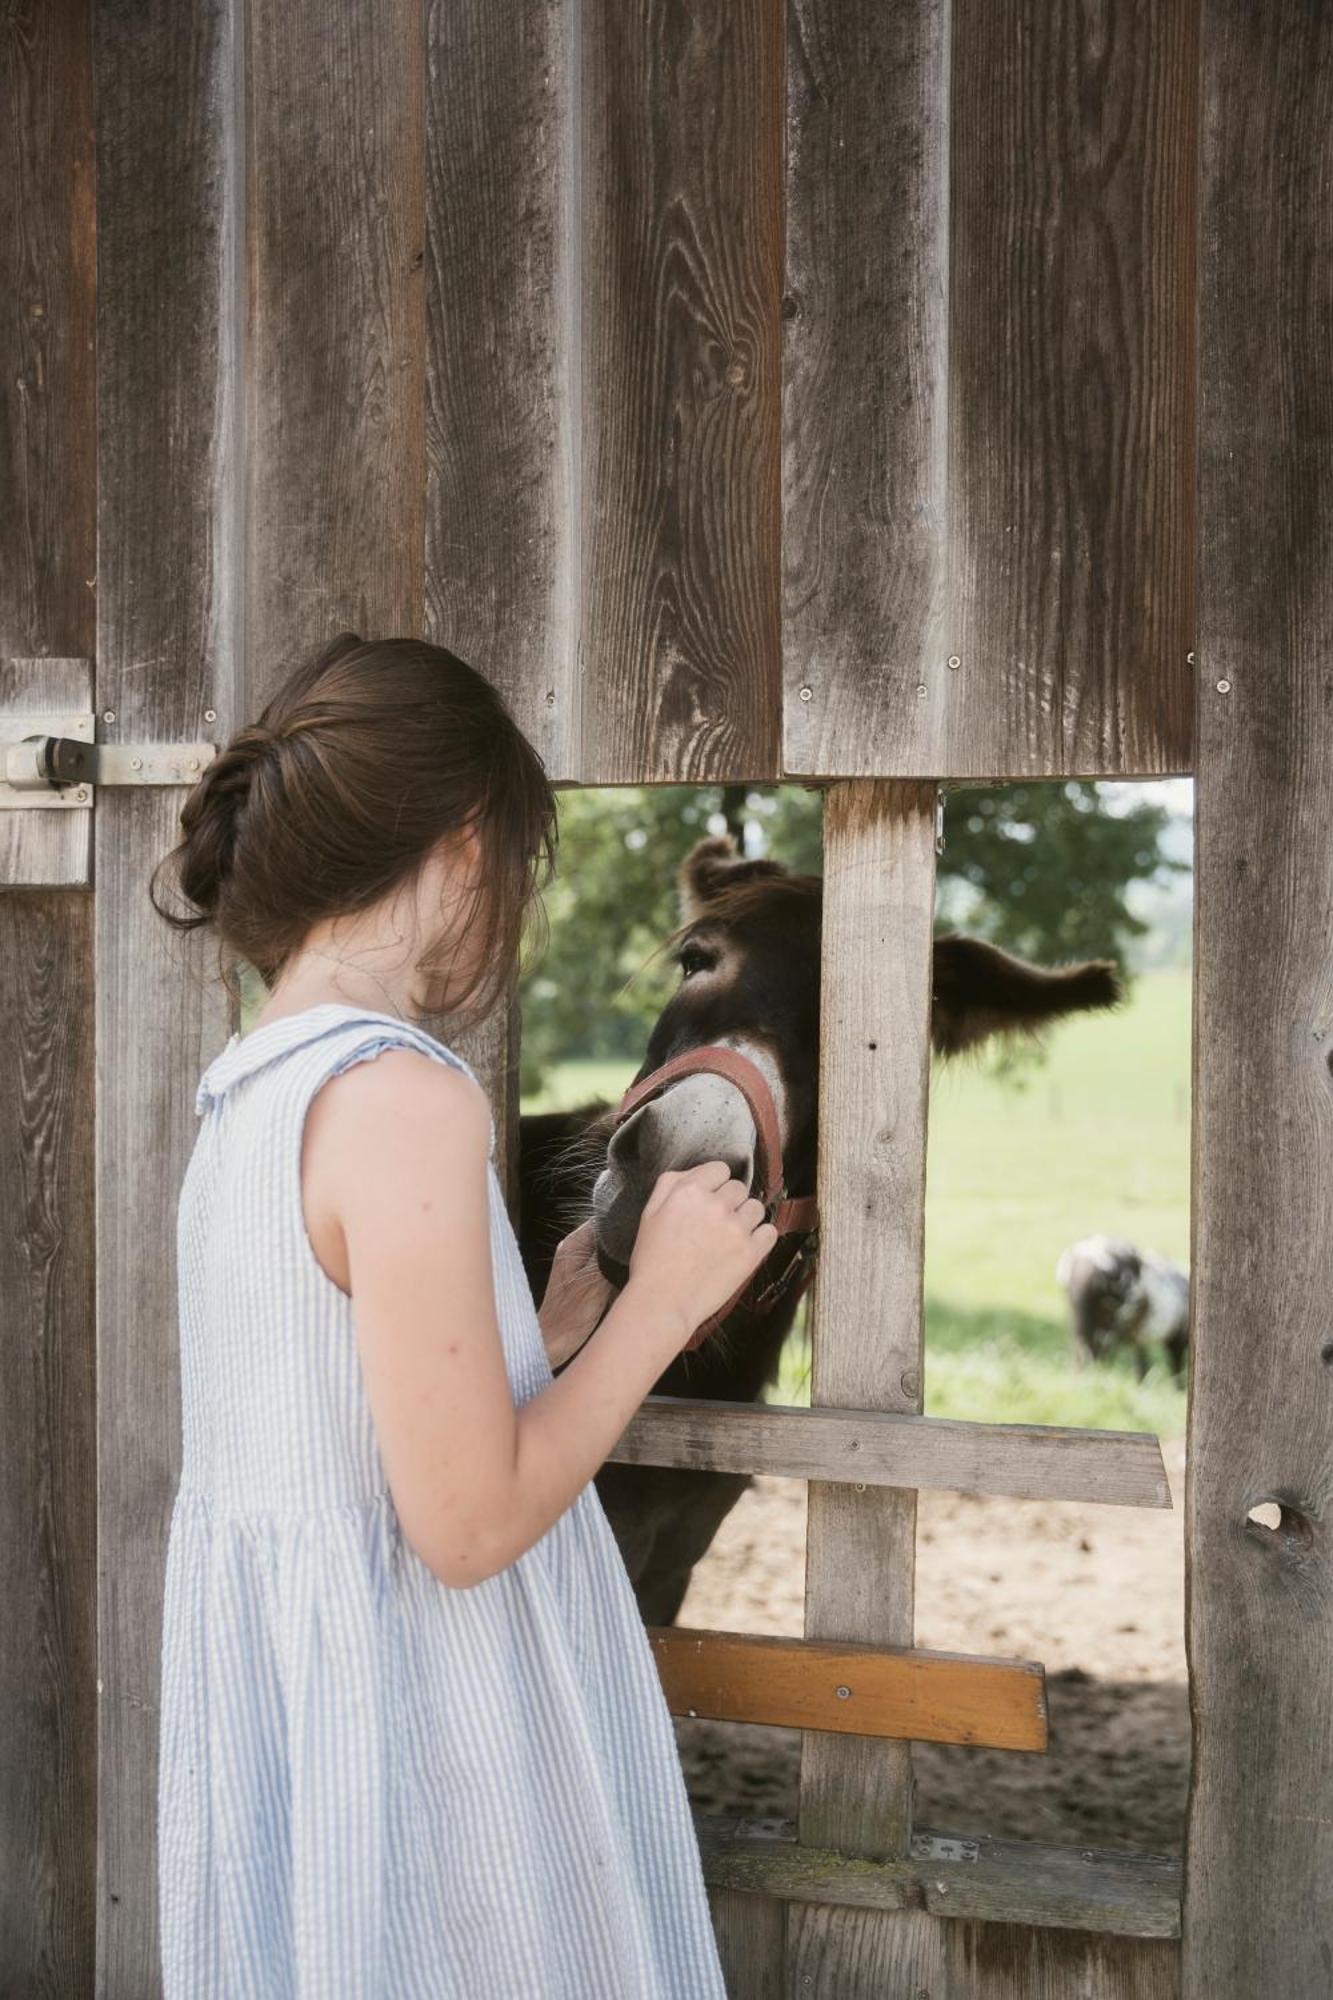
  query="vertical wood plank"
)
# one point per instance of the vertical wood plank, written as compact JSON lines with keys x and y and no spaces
{"x":988,"y":436}
{"x":1071,"y":332}
{"x":1258,"y":1917}
{"x":864,"y":393}
{"x":679,"y":399}
{"x":502,"y":263}
{"x":336,"y":362}
{"x":855,"y":1955}
{"x":48,"y":1522}
{"x":750,"y":1932}
{"x":167,"y":216}
{"x":879,"y":883}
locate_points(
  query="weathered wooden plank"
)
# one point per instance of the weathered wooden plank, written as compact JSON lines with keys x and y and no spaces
{"x":751,"y":1943}
{"x":48,"y":847}
{"x":845,"y":1955}
{"x":864,"y":393}
{"x":1258,"y":1917}
{"x":917,"y":1697}
{"x":336,"y":361}
{"x":681,"y":149}
{"x":1070,"y":395}
{"x":48,"y":1518}
{"x":502,"y":263}
{"x":879,"y":881}
{"x":48,"y":483}
{"x":167,"y":217}
{"x":883,"y":1448}
{"x":1014,"y":598}
{"x":1113,"y":1891}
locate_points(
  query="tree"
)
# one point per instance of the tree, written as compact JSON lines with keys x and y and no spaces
{"x":1041,"y":869}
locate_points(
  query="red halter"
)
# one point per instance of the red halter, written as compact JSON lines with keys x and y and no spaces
{"x":797,"y":1217}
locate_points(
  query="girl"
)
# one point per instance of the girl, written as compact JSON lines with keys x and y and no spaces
{"x":413,"y":1742}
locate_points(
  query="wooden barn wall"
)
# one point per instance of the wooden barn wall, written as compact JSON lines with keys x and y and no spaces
{"x":1258,"y":1910}
{"x":988,"y":390}
{"x":48,"y":560}
{"x":793,"y":1951}
{"x":743,"y":389}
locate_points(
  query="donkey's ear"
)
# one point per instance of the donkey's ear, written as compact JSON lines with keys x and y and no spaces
{"x":980,"y":990}
{"x":713,"y":866}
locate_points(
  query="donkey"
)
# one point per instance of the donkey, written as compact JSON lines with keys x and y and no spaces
{"x":749,"y":956}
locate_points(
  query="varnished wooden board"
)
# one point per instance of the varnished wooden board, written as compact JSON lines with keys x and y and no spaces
{"x":168,"y":630}
{"x":879,"y":882}
{"x":680,"y":144}
{"x":1258,"y":1914}
{"x":883,"y":1448}
{"x":853,"y":1690}
{"x":1115,"y":1891}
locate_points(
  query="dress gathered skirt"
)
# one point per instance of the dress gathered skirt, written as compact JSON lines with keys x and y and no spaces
{"x":373,"y":1786}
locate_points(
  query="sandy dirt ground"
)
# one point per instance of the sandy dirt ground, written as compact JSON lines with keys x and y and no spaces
{"x":1094,"y":1593}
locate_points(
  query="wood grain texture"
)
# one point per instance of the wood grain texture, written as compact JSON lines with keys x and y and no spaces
{"x":502,"y":265}
{"x":988,"y":418}
{"x":879,"y":885}
{"x":864,"y":378}
{"x":855,"y":1690}
{"x":48,"y":486}
{"x":167,"y":180}
{"x":48,"y":1516}
{"x":336,"y":362}
{"x":49,"y":847}
{"x":1116,"y":1892}
{"x":1071,"y":390}
{"x":681,"y":151}
{"x":751,"y":1943}
{"x":878,"y":1448}
{"x":835,"y":1955}
{"x":1258,"y":1916}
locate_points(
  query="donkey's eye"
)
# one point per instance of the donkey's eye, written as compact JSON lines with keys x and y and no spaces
{"x":694,"y":959}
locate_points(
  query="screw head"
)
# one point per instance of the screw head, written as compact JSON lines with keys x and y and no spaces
{"x":1224,"y":687}
{"x":859,"y":1486}
{"x":136,"y":763}
{"x":82,"y":795}
{"x":210,"y":715}
{"x":1189,"y":659}
{"x":954,"y":662}
{"x":807,"y":694}
{"x":108,"y":715}
{"x":921,"y":690}
{"x":844,"y":1693}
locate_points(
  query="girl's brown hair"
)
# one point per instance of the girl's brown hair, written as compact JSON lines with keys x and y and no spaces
{"x":370,"y":754}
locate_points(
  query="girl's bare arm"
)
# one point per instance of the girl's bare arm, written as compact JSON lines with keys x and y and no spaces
{"x":395,"y":1170}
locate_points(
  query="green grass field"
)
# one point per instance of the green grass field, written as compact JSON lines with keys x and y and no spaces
{"x":1097,"y":1138}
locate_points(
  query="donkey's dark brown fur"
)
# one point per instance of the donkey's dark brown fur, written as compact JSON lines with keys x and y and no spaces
{"x":748,"y":950}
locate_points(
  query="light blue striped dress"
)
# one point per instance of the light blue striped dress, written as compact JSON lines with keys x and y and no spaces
{"x":373,"y":1786}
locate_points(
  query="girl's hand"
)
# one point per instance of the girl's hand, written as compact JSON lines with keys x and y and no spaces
{"x":700,"y":1236}
{"x":576,"y":1296}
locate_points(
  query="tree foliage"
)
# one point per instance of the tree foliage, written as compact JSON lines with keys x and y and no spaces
{"x":1042,"y":869}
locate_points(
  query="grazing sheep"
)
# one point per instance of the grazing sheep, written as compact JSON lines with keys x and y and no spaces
{"x":1120,"y":1296}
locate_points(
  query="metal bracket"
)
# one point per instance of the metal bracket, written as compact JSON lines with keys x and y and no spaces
{"x":54,"y":761}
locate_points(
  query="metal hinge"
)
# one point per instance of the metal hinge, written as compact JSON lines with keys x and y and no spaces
{"x":53,"y":760}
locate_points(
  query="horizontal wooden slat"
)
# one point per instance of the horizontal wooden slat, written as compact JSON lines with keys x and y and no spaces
{"x":884,"y":1448}
{"x":795,"y":1683}
{"x":1117,"y":1892}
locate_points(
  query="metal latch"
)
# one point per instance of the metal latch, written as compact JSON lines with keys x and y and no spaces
{"x":53,"y":760}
